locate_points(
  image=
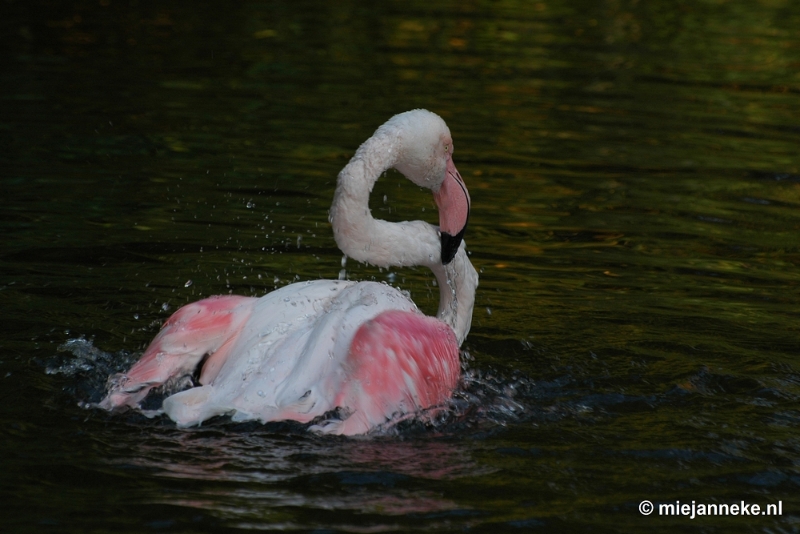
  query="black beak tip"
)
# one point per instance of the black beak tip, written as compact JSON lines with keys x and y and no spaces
{"x":450,"y":245}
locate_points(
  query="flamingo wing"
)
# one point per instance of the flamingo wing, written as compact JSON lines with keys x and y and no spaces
{"x":205,"y":328}
{"x":400,"y":362}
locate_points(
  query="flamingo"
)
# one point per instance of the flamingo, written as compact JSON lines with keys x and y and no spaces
{"x":347,"y":356}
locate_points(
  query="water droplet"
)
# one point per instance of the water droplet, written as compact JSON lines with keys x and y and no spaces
{"x":250,"y":204}
{"x":188,"y":283}
{"x":261,"y":393}
{"x":135,"y":315}
{"x":165,"y":306}
{"x":488,"y":311}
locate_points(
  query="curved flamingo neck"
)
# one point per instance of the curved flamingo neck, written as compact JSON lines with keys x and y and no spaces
{"x":365,"y":238}
{"x":401,"y":244}
{"x":457,"y":281}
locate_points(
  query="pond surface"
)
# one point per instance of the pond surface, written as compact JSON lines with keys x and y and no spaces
{"x":635,"y":185}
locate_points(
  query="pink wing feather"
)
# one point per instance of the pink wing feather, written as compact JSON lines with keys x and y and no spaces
{"x":206,"y":327}
{"x":399,"y":362}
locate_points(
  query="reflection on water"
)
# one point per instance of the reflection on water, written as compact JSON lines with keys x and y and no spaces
{"x":635,"y":183}
{"x":263,"y":469}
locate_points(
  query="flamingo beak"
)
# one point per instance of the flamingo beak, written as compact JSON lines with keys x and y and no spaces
{"x":452,"y":199}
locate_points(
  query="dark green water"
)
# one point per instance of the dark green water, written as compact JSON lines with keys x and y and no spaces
{"x":635,"y":185}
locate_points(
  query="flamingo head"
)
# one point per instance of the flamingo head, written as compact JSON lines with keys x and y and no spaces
{"x":425,"y":156}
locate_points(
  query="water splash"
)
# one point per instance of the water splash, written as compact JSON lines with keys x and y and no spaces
{"x":87,"y":368}
{"x":486,"y":400}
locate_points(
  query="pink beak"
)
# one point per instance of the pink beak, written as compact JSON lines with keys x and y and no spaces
{"x":452,"y":199}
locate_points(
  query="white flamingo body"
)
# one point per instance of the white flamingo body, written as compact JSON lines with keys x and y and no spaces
{"x":290,"y":354}
{"x":311,"y":348}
